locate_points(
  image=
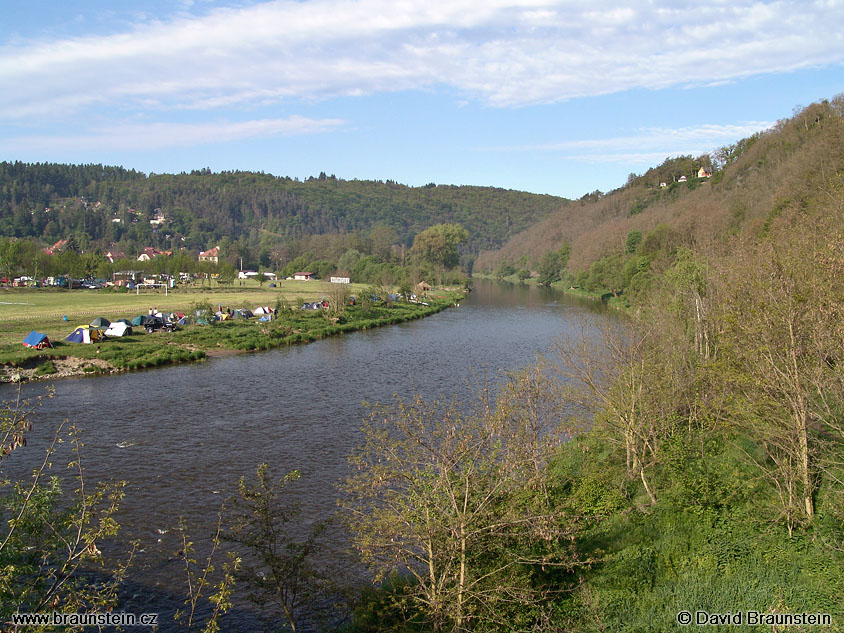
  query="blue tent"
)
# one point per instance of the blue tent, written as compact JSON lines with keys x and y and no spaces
{"x":83,"y":334}
{"x":36,"y":340}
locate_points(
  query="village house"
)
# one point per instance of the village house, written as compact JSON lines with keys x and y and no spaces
{"x":704,"y":173}
{"x":158,"y":218}
{"x":303,"y":276}
{"x":151,"y":253}
{"x":56,"y":248}
{"x":211,"y":255}
{"x":112,"y":255}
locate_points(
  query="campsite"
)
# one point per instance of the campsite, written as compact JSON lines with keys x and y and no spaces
{"x":55,"y":333}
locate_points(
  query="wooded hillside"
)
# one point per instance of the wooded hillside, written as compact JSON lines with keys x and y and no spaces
{"x":258,"y":213}
{"x":753,"y":181}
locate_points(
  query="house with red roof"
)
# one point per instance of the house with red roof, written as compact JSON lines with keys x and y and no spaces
{"x":211,"y":255}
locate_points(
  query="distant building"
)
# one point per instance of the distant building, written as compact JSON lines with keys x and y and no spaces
{"x":340,"y":280}
{"x":158,"y":219}
{"x":211,"y":255}
{"x":113,"y":255}
{"x":303,"y":276}
{"x":151,"y":253}
{"x":682,"y":179}
{"x":56,"y":248}
{"x":704,"y":173}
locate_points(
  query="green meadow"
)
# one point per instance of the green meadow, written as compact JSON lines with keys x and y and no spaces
{"x":44,"y":310}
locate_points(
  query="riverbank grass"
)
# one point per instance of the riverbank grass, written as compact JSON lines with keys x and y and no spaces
{"x":26,"y":310}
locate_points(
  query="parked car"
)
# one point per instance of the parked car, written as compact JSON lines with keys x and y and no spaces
{"x":156,"y":323}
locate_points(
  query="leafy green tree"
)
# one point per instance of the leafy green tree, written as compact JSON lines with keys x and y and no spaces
{"x":51,"y":540}
{"x":552,"y":264}
{"x":634,"y":238}
{"x":348,"y":260}
{"x":278,"y":553}
{"x":607,"y":274}
{"x":381,"y":239}
{"x":438,"y":245}
{"x":505,"y":269}
{"x":9,"y":257}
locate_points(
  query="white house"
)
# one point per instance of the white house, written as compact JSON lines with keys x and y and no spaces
{"x":211,"y":255}
{"x":303,"y":276}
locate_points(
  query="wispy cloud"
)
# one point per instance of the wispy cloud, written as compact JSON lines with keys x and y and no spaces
{"x":502,"y":52}
{"x":646,"y":146}
{"x":154,"y":136}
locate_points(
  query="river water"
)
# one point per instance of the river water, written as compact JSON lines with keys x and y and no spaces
{"x":183,"y":436}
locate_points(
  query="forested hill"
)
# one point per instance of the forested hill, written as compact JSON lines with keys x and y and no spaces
{"x":797,"y":162}
{"x":54,"y":200}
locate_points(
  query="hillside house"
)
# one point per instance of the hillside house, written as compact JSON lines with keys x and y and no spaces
{"x":151,"y":253}
{"x":56,"y":248}
{"x":158,"y":218}
{"x":211,"y":255}
{"x":704,"y":173}
{"x":113,"y":255}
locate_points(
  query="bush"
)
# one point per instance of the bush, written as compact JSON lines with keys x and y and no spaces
{"x":46,"y":368}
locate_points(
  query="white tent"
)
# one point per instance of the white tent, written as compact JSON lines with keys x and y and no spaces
{"x":117,"y":329}
{"x":262,"y":310}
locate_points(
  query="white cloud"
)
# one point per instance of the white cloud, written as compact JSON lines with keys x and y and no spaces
{"x":647,"y":146}
{"x":502,"y":52}
{"x":154,"y":136}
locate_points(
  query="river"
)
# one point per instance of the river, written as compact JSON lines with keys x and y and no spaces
{"x":182,"y":436}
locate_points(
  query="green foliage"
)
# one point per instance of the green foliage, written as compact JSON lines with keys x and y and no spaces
{"x":267,"y":220}
{"x":634,"y":238}
{"x":505,"y":269}
{"x":438,"y":245}
{"x":552,"y":265}
{"x":278,"y":552}
{"x":50,"y":540}
{"x":47,"y":368}
{"x":458,"y":500}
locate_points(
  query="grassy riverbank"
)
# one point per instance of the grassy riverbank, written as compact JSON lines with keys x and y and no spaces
{"x":23,"y":310}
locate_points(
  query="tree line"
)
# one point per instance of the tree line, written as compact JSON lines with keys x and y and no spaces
{"x":261,"y":216}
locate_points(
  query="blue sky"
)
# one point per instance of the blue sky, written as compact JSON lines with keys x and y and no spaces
{"x":549,"y":96}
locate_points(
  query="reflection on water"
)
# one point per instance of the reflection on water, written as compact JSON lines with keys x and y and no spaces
{"x":182,"y":436}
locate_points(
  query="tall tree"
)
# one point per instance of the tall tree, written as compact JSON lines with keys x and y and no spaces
{"x":438,"y":245}
{"x":781,"y":316}
{"x":456,"y":499}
